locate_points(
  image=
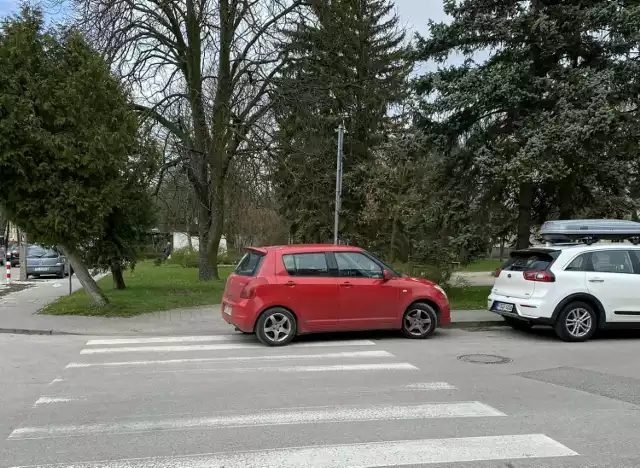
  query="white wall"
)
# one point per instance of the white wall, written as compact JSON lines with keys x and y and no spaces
{"x":181,"y":241}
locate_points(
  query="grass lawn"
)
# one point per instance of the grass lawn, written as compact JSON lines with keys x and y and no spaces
{"x":472,"y":297}
{"x":149,"y":288}
{"x":483,"y":265}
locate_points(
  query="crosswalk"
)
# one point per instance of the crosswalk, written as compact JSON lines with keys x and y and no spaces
{"x":227,"y":401}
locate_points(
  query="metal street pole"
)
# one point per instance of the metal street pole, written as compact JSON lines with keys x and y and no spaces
{"x":23,"y":256}
{"x":338,"y":183}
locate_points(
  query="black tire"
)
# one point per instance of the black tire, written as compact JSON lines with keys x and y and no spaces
{"x":520,"y":325}
{"x":567,"y":327}
{"x":62,"y":274}
{"x":280,"y":318}
{"x":419,"y":321}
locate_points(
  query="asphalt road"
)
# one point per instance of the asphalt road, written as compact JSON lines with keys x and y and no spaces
{"x":361,"y":400}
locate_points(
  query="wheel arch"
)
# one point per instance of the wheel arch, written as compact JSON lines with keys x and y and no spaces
{"x":582,"y":297}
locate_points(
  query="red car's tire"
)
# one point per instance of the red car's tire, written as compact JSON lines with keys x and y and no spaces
{"x":276,"y":327}
{"x":419,"y":321}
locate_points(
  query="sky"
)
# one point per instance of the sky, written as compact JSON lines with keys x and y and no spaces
{"x":414,"y":14}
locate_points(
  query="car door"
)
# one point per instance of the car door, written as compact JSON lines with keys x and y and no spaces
{"x":367,"y":300}
{"x":310,"y":291}
{"x":615,"y":284}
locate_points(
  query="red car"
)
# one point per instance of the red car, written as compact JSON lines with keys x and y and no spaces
{"x":280,"y":292}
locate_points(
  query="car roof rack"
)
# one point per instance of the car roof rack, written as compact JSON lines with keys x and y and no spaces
{"x":589,"y":231}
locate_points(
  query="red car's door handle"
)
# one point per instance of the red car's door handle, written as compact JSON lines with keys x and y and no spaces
{"x":290,"y":283}
{"x":346,"y":284}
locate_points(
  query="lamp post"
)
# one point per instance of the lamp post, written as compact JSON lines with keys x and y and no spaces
{"x":341,"y":132}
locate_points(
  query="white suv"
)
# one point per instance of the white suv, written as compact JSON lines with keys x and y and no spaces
{"x":575,"y":288}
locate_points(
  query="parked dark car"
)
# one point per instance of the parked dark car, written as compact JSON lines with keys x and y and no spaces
{"x":13,"y":254}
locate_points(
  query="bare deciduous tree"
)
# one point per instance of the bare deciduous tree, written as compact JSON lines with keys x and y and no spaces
{"x":211,"y":60}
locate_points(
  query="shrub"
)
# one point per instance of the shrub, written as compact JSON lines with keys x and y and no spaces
{"x":230,"y":257}
{"x":440,"y":274}
{"x":186,"y":257}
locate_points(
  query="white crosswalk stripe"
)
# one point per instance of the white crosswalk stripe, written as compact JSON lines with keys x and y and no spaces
{"x":472,"y":409}
{"x":161,"y":339}
{"x":275,"y":357}
{"x":392,"y":453}
{"x":229,"y":361}
{"x":431,"y":386}
{"x":218,"y":347}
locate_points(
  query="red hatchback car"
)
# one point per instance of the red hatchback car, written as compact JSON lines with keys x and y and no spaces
{"x":280,"y":292}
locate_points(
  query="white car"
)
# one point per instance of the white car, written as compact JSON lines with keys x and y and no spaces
{"x":575,"y":288}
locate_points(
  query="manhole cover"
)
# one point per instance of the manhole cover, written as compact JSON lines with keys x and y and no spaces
{"x":484,"y":359}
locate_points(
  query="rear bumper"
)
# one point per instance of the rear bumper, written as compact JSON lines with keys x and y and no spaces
{"x":532,"y":310}
{"x":241,"y":314}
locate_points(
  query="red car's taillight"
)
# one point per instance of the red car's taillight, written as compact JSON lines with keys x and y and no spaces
{"x":540,"y":276}
{"x":249,"y":289}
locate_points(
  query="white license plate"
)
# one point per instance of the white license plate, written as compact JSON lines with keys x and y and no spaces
{"x":41,"y":269}
{"x":226,"y":309}
{"x":502,"y":307}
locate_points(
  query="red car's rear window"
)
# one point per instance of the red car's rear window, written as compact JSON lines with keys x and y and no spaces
{"x":250,"y":264}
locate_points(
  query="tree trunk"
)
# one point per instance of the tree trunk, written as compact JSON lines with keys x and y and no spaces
{"x":189,"y":240}
{"x":210,"y":235}
{"x":525,"y":200}
{"x":118,"y":278}
{"x":566,"y":198}
{"x":501,"y":248}
{"x":86,"y":280}
{"x":394,"y":234}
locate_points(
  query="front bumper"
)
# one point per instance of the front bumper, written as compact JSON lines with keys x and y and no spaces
{"x":445,"y":314}
{"x":45,"y":270}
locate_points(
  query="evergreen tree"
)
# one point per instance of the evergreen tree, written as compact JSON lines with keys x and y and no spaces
{"x":349,"y":62}
{"x":550,"y":121}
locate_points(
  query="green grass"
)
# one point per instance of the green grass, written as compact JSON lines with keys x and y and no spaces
{"x":468,"y":298}
{"x":149,"y":288}
{"x":483,"y":265}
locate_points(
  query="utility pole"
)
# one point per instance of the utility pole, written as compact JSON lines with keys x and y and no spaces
{"x":23,"y":255}
{"x":341,"y":131}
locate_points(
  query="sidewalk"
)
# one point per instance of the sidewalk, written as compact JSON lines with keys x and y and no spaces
{"x":19,"y":314}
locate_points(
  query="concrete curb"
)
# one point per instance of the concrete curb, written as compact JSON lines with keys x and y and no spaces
{"x":478,"y":324}
{"x":23,"y":331}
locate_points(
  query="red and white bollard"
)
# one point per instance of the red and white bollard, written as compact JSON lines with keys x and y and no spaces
{"x":8,"y":274}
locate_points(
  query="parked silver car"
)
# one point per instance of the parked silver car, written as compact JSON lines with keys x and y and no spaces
{"x":43,"y":261}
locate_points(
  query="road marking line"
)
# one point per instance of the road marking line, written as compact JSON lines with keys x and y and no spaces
{"x":165,"y":339}
{"x":313,"y":415}
{"x":56,"y":381}
{"x":282,"y":357}
{"x":363,"y":455}
{"x":215,"y":347}
{"x":431,"y":386}
{"x":47,"y":400}
{"x":288,"y":369}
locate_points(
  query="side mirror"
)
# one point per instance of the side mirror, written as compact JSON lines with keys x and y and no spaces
{"x":386,"y":275}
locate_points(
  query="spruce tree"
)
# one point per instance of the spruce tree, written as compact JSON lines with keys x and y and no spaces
{"x":349,"y":62}
{"x":549,"y":122}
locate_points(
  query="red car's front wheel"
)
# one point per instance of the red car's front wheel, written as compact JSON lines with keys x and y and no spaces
{"x":419,"y":321}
